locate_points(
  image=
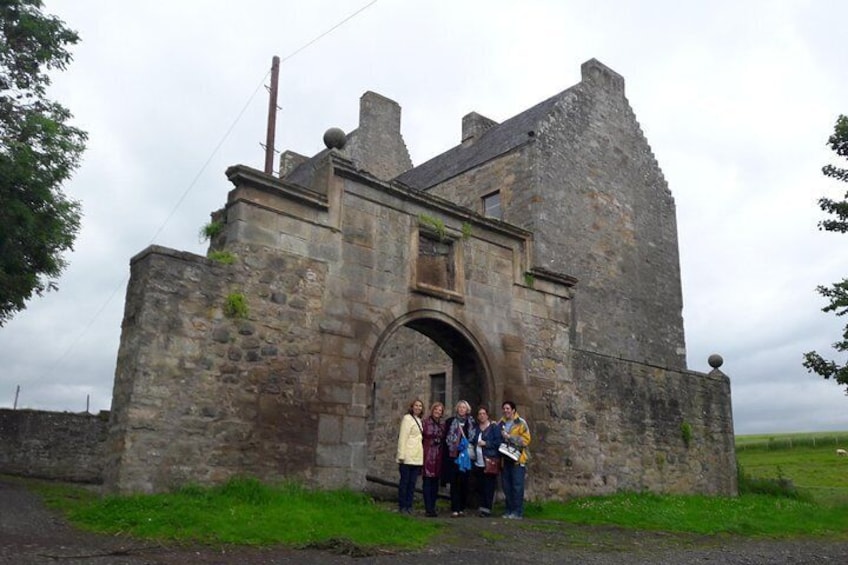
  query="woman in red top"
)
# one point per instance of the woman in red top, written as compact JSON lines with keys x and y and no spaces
{"x":433,"y":432}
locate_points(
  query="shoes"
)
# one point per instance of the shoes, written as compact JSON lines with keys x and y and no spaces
{"x":508,"y":516}
{"x":433,"y":514}
{"x":455,"y":514}
{"x":484,"y":514}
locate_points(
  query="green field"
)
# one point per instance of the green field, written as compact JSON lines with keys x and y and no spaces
{"x":809,"y":460}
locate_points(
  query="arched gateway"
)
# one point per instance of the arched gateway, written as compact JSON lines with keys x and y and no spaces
{"x":352,"y":283}
{"x":422,"y":355}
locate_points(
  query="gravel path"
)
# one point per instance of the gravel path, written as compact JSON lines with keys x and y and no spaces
{"x":31,"y":534}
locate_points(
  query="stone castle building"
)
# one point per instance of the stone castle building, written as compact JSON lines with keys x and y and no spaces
{"x":537,"y":260}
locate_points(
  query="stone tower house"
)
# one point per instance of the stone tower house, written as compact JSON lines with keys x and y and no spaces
{"x":577,"y":171}
{"x":537,"y":260}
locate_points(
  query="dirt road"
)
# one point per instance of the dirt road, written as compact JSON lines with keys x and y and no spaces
{"x":31,"y":534}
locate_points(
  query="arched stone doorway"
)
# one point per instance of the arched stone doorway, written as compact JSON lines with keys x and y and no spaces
{"x":424,"y":355}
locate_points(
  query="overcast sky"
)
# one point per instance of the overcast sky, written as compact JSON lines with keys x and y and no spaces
{"x":737,"y":99}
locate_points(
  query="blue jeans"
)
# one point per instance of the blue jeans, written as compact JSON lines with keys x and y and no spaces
{"x":406,"y":487}
{"x":513,"y":486}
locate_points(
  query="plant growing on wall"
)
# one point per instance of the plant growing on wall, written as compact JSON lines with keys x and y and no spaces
{"x":236,"y":306}
{"x":686,"y":432}
{"x":529,"y":279}
{"x":435,"y":224}
{"x":223,"y":257}
{"x":466,"y":230}
{"x":211,"y":230}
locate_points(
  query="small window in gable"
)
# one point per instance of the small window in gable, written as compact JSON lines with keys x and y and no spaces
{"x":492,"y":205}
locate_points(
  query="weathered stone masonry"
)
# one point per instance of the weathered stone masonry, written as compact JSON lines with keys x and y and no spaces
{"x":571,"y":306}
{"x":53,"y":445}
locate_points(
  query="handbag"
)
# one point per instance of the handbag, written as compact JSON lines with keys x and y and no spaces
{"x":463,"y":461}
{"x":510,"y":451}
{"x":493,"y":465}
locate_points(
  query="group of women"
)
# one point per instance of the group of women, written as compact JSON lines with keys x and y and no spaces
{"x":463,"y":452}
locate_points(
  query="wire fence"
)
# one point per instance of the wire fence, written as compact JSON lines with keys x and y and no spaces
{"x":829,"y":439}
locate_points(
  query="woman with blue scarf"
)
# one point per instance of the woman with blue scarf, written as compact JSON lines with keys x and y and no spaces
{"x":460,"y":429}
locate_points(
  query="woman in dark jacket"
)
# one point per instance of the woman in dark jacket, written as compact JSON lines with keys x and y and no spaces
{"x":459,"y":429}
{"x":434,"y":440}
{"x":486,"y":440}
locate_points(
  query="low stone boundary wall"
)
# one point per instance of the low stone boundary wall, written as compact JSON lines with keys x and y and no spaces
{"x":53,"y":445}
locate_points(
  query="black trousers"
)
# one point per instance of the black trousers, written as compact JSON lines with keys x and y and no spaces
{"x":459,"y":491}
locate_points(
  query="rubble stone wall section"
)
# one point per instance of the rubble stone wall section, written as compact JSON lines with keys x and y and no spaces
{"x":53,"y":445}
{"x":200,"y":394}
{"x":617,"y":425}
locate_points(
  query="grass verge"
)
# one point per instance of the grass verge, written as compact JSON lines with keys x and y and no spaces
{"x":246,"y":512}
{"x":756,"y":515}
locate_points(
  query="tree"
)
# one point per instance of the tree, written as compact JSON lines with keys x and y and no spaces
{"x":39,"y":151}
{"x":837,"y":293}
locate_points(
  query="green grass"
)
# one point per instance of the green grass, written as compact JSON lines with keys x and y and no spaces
{"x":785,"y":491}
{"x":809,"y":461}
{"x":749,"y":515}
{"x":247,"y":512}
{"x":790,"y":485}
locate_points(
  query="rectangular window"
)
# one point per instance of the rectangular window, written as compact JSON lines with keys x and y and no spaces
{"x":437,"y":260}
{"x":436,"y":263}
{"x":438,"y":388}
{"x":492,"y":205}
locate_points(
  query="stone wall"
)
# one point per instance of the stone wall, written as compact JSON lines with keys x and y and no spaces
{"x":329,"y":277}
{"x":53,"y":445}
{"x":199,"y":395}
{"x":617,"y":425}
{"x":610,"y":217}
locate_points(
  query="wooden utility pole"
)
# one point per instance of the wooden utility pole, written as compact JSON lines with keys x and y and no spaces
{"x":272,"y":116}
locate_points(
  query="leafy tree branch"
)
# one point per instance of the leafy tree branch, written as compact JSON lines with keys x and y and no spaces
{"x":837,"y":293}
{"x":39,"y":150}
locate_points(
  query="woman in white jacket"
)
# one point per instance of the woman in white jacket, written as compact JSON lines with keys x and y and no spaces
{"x":410,"y":455}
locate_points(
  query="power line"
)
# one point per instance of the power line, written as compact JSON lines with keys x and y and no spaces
{"x":329,"y":31}
{"x":193,"y":182}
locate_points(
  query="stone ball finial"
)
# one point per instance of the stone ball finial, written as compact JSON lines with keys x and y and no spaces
{"x":335,"y":138}
{"x":715,"y":360}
